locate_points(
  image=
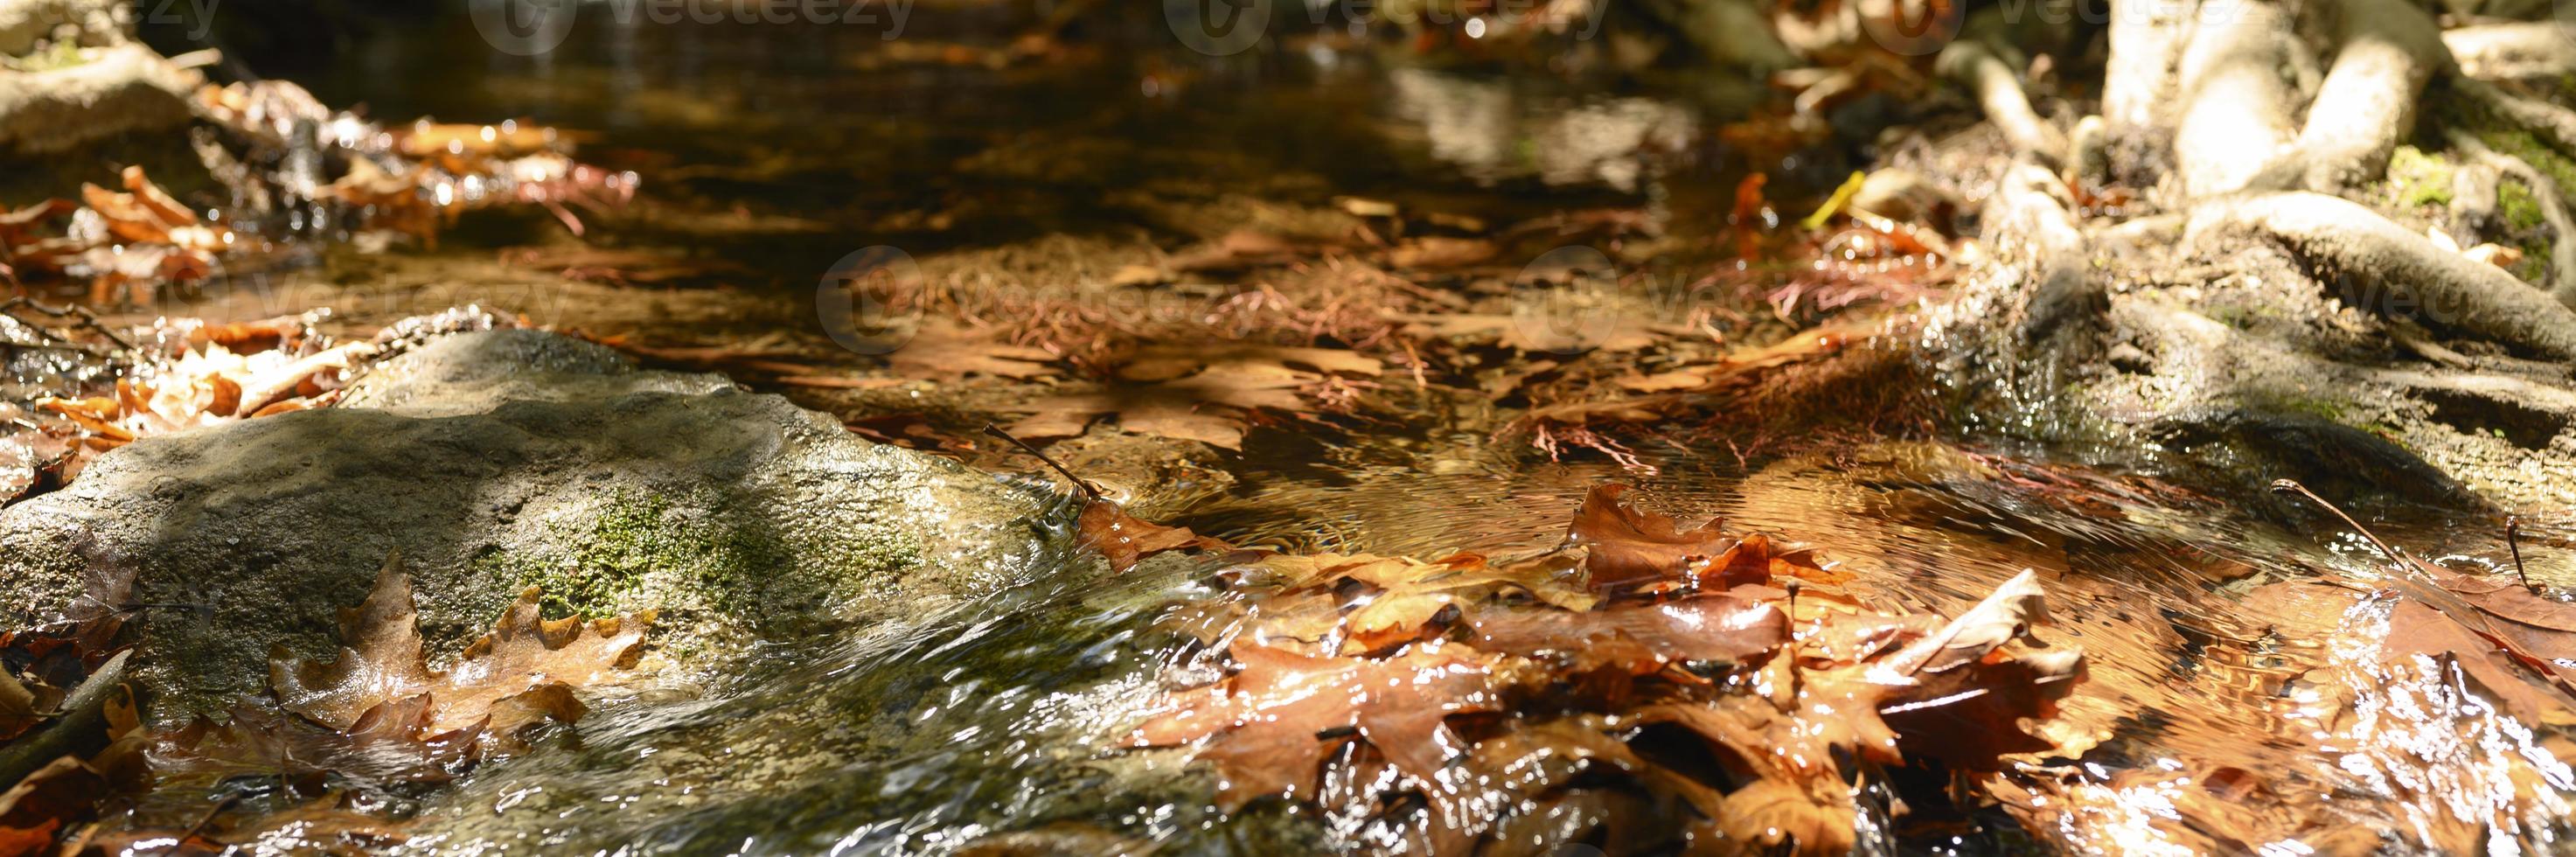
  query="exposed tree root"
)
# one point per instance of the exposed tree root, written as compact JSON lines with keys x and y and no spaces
{"x":2553,"y":209}
{"x":2517,"y":51}
{"x":2553,"y":123}
{"x":2138,"y":81}
{"x":2387,"y":50}
{"x":2237,"y":104}
{"x":1976,"y":67}
{"x":2027,"y":218}
{"x":2385,"y":269}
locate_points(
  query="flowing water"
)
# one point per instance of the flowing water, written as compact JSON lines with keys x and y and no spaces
{"x":2212,"y":719}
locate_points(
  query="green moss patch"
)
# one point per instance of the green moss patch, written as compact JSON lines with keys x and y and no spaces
{"x":637,"y":553}
{"x":2419,"y":179}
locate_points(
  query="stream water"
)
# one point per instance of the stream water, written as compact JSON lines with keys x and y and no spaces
{"x":2212,"y":720}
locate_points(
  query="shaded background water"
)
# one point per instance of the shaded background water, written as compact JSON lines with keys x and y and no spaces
{"x":780,"y":148}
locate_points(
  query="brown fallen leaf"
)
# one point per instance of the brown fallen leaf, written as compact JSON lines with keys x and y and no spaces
{"x":388,"y":743}
{"x":518,"y":675}
{"x":34,"y":812}
{"x":1124,"y":539}
{"x":20,"y":708}
{"x":1715,"y":627}
{"x":1268,"y":727}
{"x":381,"y":658}
{"x":1625,"y":547}
{"x":946,"y":350}
{"x":1400,"y":600}
{"x":1203,"y":394}
{"x":1730,"y":736}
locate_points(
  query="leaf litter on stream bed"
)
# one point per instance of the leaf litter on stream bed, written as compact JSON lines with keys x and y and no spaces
{"x":323,"y":775}
{"x":1644,"y":687}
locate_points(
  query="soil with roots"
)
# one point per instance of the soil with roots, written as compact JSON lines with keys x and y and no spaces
{"x":2288,"y":294}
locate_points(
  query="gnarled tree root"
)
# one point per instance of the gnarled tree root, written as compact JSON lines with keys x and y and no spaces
{"x":2383,"y":268}
{"x":2386,"y":51}
{"x":2517,"y":51}
{"x":2553,"y":209}
{"x":1976,"y":67}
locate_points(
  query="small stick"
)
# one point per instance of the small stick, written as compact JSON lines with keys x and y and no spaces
{"x":2288,"y":486}
{"x":2513,"y":542}
{"x":1088,"y":489}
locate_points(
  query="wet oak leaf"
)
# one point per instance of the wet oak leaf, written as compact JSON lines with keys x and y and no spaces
{"x":2416,"y":629}
{"x":1768,"y":814}
{"x":1206,"y":394}
{"x":1969,"y":716}
{"x":507,"y":678}
{"x":390,"y":743}
{"x":1624,"y":546}
{"x":36,"y":810}
{"x":1125,"y":539}
{"x":2005,"y":615}
{"x":1402,"y":597}
{"x":525,"y":653}
{"x":1707,"y":628}
{"x":381,"y":658}
{"x":1269,"y":727}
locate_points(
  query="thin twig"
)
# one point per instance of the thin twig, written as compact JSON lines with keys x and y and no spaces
{"x":74,"y":311}
{"x":1088,"y":489}
{"x":2292,"y":486}
{"x":2513,"y":542}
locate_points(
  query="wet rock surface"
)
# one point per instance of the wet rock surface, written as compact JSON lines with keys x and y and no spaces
{"x":497,"y":460}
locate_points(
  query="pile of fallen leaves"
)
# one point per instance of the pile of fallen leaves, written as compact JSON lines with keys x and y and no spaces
{"x":176,"y":375}
{"x":123,"y":243}
{"x":297,"y":778}
{"x":408,"y":179}
{"x":295,"y":154}
{"x":1641,"y":688}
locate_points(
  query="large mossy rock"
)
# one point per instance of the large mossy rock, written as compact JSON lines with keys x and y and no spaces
{"x":495,"y":461}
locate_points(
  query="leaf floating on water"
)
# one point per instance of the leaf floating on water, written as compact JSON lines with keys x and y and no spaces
{"x":1269,"y":726}
{"x":1644,"y":637}
{"x":1505,"y":703}
{"x":2005,"y":615}
{"x":1625,"y":546}
{"x":1202,"y":394}
{"x":1125,"y":539}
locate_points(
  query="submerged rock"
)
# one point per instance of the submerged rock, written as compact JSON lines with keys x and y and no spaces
{"x":497,"y":460}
